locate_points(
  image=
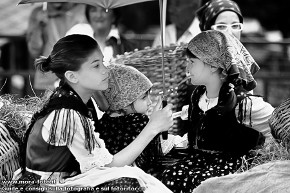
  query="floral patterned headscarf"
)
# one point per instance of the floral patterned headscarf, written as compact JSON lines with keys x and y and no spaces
{"x":208,"y":13}
{"x":126,"y":85}
{"x":224,"y":51}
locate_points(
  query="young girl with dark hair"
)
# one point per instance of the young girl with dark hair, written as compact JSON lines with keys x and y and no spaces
{"x":222,"y":115}
{"x":61,"y":147}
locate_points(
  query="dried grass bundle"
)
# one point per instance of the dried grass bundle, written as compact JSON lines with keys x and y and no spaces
{"x":271,"y":151}
{"x":16,"y":112}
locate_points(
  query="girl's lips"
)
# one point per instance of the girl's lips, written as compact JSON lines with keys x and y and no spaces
{"x":98,"y":20}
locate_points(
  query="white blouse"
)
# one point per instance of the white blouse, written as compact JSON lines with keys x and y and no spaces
{"x":99,"y":156}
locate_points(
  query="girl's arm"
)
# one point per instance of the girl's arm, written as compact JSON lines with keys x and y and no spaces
{"x":161,"y":120}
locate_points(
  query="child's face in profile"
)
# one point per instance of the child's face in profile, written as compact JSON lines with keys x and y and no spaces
{"x":198,"y":71}
{"x":143,"y":103}
{"x":93,"y":75}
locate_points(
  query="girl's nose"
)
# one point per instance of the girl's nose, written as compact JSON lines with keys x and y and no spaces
{"x":149,"y":101}
{"x":229,"y":30}
{"x":105,"y":70}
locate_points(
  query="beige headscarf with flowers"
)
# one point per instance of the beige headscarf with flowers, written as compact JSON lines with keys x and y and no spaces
{"x":223,"y":51}
{"x":126,"y":84}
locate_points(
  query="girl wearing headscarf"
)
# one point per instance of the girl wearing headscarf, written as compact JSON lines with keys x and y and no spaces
{"x":128,"y":103}
{"x":221,"y":114}
{"x":221,"y":15}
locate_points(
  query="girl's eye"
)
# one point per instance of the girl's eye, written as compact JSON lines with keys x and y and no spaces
{"x":145,"y":96}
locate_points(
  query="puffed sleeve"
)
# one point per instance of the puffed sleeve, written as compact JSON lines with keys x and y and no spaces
{"x":99,"y":156}
{"x":258,"y":113}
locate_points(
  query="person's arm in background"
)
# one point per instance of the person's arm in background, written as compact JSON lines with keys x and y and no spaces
{"x":157,"y":40}
{"x":258,"y":112}
{"x":34,"y":35}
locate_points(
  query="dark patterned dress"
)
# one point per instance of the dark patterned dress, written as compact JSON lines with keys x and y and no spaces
{"x":119,"y":132}
{"x":217,"y":142}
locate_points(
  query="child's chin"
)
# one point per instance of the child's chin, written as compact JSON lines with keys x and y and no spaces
{"x":193,"y":82}
{"x":104,"y":87}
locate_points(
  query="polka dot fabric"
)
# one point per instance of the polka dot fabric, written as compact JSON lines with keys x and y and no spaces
{"x":119,"y":132}
{"x":187,"y":174}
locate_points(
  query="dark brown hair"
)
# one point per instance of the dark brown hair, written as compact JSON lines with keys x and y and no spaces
{"x":69,"y":53}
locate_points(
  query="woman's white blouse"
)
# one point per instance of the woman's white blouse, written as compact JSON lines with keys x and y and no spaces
{"x":99,"y":156}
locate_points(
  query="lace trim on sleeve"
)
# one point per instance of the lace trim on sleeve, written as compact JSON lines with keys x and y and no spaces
{"x":103,"y":158}
{"x":98,"y":158}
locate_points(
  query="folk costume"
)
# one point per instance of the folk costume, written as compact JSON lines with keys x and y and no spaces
{"x":62,"y":148}
{"x":126,"y":85}
{"x":218,"y":137}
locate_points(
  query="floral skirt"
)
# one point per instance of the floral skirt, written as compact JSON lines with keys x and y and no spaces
{"x":186,"y":174}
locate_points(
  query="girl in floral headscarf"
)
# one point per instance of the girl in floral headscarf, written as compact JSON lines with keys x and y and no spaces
{"x":128,"y":102}
{"x":221,"y":115}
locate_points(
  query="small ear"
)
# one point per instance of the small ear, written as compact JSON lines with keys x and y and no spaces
{"x":213,"y":69}
{"x":71,"y":76}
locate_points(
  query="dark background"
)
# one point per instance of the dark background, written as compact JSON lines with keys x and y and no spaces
{"x":272,"y":14}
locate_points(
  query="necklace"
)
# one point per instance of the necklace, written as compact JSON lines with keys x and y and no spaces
{"x":206,"y":103}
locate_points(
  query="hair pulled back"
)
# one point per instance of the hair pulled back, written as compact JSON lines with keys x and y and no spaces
{"x":69,"y":53}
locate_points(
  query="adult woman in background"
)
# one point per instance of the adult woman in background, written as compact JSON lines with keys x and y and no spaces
{"x":221,"y":15}
{"x":45,"y":28}
{"x":103,"y":26}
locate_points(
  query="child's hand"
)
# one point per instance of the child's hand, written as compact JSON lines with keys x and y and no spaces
{"x":183,"y":114}
{"x":161,"y":119}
